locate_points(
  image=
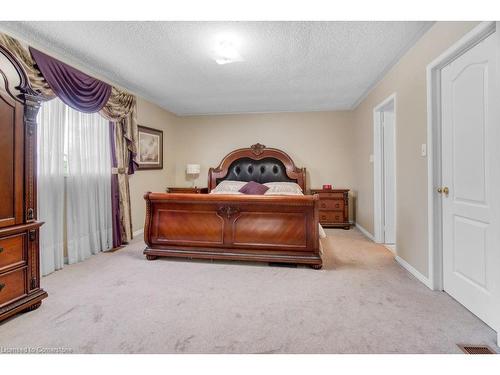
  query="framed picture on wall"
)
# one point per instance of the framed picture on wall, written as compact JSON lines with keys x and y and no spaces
{"x":150,"y":152}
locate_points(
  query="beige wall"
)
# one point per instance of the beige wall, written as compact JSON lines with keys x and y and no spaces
{"x":408,"y":80}
{"x":151,"y":115}
{"x":320,"y":141}
{"x":334,"y":146}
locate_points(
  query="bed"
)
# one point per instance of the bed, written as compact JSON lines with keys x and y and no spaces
{"x":221,"y":225}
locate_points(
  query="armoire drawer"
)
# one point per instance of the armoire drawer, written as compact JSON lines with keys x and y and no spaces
{"x":12,"y":251}
{"x":12,"y":285}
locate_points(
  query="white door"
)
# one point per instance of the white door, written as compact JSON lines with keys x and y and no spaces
{"x":471,"y":172}
{"x":389,"y":145}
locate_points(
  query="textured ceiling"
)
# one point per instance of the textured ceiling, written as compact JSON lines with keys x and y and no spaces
{"x":288,"y":66}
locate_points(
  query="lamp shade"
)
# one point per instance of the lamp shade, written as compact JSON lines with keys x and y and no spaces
{"x":193,"y":169}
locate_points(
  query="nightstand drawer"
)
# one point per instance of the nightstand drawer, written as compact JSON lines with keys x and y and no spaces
{"x":324,"y":195}
{"x":12,"y":251}
{"x":331,"y":204}
{"x":12,"y":285}
{"x":331,"y":216}
{"x":333,"y":207}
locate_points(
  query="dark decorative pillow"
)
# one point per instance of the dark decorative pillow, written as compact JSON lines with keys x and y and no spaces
{"x":253,"y":188}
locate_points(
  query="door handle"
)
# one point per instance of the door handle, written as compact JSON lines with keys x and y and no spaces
{"x":443,"y":190}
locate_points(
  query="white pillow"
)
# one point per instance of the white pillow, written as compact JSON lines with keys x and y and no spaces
{"x":228,"y":187}
{"x":283,"y":188}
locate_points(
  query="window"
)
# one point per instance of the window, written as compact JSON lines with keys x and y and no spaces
{"x":74,"y":185}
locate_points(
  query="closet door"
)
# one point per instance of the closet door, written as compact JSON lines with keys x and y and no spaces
{"x":11,"y":161}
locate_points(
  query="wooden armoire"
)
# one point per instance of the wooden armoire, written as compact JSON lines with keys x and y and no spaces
{"x":19,"y":229}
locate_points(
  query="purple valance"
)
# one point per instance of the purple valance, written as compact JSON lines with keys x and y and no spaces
{"x":76,"y":89}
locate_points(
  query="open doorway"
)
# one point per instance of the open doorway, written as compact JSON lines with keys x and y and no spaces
{"x":384,"y":162}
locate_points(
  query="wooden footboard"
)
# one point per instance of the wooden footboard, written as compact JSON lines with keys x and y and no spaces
{"x":280,"y":229}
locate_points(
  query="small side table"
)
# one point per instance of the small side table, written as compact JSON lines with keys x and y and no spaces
{"x":333,"y":208}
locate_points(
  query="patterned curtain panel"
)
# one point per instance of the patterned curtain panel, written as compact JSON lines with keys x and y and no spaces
{"x":123,"y":152}
{"x":120,"y":109}
{"x":122,"y":179}
{"x":115,"y":192}
{"x":22,"y":54}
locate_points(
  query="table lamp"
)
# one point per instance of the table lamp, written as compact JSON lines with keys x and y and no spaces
{"x":193,"y":170}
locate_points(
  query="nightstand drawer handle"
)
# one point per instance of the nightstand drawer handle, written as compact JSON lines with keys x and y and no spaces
{"x":2,"y":286}
{"x":1,"y":250}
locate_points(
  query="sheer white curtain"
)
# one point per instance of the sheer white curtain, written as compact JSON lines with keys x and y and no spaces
{"x":74,"y":185}
{"x":88,"y":185}
{"x":50,"y":152}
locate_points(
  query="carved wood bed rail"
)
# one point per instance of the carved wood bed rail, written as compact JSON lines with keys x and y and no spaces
{"x":280,"y":229}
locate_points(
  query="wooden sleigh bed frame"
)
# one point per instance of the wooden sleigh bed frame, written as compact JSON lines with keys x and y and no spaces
{"x":264,"y":228}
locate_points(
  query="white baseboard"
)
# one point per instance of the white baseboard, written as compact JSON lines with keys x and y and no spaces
{"x":365,"y":232}
{"x":138,"y":232}
{"x":403,"y":263}
{"x":391,"y":248}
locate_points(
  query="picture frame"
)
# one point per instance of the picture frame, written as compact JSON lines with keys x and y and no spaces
{"x":150,"y":148}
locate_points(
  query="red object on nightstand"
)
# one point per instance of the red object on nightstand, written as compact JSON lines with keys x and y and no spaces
{"x":327,"y":187}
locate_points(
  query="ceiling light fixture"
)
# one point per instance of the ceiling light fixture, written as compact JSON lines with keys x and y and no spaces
{"x":226,"y":49}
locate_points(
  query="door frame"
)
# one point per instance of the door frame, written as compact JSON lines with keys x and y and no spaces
{"x":434,"y":210}
{"x":378,"y":184}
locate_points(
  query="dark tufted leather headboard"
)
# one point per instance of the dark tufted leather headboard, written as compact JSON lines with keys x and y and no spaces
{"x":257,"y":163}
{"x":261,"y":171}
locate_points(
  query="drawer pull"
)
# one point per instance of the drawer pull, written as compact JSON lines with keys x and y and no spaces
{"x":2,"y":286}
{"x":323,"y":205}
{"x":1,"y":250}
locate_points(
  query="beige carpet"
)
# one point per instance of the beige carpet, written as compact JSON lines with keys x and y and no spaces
{"x":361,"y":302}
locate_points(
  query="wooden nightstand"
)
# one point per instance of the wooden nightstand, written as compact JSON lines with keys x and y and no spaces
{"x":187,"y":190}
{"x":333,"y":208}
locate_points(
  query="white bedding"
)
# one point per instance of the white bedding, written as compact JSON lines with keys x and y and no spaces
{"x":275,"y":188}
{"x":322,"y":233}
